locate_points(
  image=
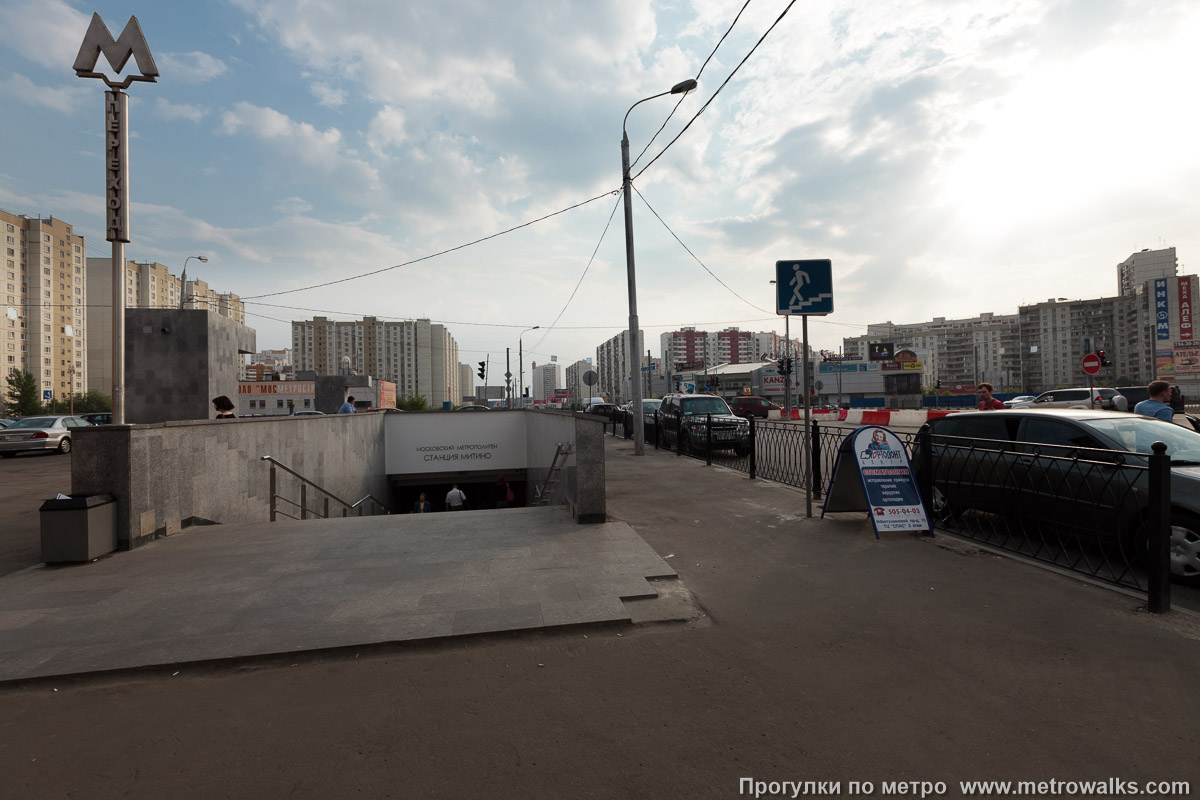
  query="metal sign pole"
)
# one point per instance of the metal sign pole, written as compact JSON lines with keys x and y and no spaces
{"x":787,"y":379}
{"x":807,"y":419}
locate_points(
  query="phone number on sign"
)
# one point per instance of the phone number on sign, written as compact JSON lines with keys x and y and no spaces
{"x":906,"y":511}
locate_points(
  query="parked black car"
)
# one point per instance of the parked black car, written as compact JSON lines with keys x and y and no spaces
{"x":98,"y":417}
{"x":1136,"y":394}
{"x":684,"y":419}
{"x":1067,"y":468}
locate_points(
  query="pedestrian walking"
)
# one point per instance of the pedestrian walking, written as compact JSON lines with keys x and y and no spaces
{"x":455,"y":499}
{"x":1158,"y":404}
{"x":986,"y":401}
{"x":348,"y":406}
{"x":224,"y":407}
{"x":422,"y":506}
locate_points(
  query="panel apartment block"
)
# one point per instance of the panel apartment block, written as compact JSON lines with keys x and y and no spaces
{"x":419,"y":356}
{"x":45,"y":309}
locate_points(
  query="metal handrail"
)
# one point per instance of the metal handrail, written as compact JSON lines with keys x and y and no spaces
{"x":563,"y":450}
{"x":303,"y":504}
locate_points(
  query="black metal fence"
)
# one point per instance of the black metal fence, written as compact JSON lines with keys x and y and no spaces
{"x":1087,"y":510}
{"x":1102,"y":513}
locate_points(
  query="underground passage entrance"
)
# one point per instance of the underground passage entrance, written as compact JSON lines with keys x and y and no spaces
{"x":482,"y":489}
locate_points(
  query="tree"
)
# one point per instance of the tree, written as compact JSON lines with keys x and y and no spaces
{"x":21,"y":400}
{"x":414,"y":402}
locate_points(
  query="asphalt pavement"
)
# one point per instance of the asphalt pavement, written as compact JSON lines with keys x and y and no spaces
{"x":822,"y":654}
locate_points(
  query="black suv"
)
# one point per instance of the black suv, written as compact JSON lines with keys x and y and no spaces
{"x":684,"y":419}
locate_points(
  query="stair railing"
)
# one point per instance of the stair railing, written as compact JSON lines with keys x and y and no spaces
{"x":376,"y":505}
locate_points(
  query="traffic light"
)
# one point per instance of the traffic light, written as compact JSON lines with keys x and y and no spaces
{"x":1104,"y":360}
{"x":785,"y":367}
{"x":939,"y":384}
{"x":482,"y":369}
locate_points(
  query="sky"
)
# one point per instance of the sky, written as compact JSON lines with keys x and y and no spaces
{"x":950,"y":157}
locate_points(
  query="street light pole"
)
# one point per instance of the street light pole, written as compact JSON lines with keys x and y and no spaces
{"x":183,"y":278}
{"x":639,"y":431}
{"x":521,"y":360}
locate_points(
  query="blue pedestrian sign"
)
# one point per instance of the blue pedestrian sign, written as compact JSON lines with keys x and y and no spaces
{"x":47,"y":394}
{"x":804,"y":287}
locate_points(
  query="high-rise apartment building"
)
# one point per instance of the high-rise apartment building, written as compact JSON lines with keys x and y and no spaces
{"x":420,"y":357}
{"x":1133,"y":272}
{"x":266,"y":364}
{"x":688,"y":348}
{"x":616,"y":361}
{"x":43,"y":328}
{"x":147,"y":285}
{"x":1145,"y":331}
{"x":577,"y":390}
{"x":545,"y":379}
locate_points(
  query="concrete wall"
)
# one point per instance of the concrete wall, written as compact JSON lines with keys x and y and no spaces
{"x":169,"y":475}
{"x":581,"y":480}
{"x":177,"y":361}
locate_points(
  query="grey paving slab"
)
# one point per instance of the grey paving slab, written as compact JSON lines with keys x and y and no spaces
{"x":219,"y":592}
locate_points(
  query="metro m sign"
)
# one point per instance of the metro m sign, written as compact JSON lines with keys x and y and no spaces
{"x":98,"y":40}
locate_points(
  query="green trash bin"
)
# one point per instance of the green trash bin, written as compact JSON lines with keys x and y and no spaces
{"x":78,"y":528}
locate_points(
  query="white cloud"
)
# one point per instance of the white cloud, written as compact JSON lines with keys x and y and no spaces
{"x":64,"y":99}
{"x":172,"y":111}
{"x":290,"y":206}
{"x":46,"y":32}
{"x":317,"y":152}
{"x":327,"y":95}
{"x":193,"y":67}
{"x":386,"y":129}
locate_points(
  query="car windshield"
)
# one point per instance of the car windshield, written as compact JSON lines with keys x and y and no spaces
{"x":34,"y":422}
{"x":704,"y":405}
{"x":1137,"y":434}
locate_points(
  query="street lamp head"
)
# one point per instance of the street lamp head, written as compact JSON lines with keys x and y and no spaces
{"x":202,"y":259}
{"x":683,"y":87}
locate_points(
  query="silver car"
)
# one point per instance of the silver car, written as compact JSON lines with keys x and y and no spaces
{"x":39,"y":433}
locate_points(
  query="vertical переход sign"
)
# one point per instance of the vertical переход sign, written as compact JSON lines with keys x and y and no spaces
{"x":116,"y":167}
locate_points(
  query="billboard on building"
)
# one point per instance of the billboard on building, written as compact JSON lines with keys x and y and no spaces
{"x":1162,"y":314}
{"x":1187,"y":358}
{"x":1185,"y":307}
{"x":1164,"y":365}
{"x":880,"y":351}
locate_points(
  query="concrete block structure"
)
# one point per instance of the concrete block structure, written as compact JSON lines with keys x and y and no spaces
{"x":173,"y":475}
{"x":177,"y":361}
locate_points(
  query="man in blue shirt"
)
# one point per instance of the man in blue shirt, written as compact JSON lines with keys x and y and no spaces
{"x":1157,"y":406}
{"x":348,"y":406}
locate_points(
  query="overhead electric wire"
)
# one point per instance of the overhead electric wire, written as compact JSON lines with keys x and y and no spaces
{"x":439,"y":253}
{"x":693,"y":255}
{"x":682,"y":97}
{"x":717,"y":92}
{"x":579,"y":282}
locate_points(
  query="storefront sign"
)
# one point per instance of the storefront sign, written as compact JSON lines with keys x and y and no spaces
{"x":917,"y":365}
{"x":1162,"y":316}
{"x":276,"y":388}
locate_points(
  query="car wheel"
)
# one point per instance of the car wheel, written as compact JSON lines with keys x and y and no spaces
{"x":685,"y":442}
{"x":1184,"y":547}
{"x":8,"y":455}
{"x":943,"y":509}
{"x":64,"y":446}
{"x":742,"y":450}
